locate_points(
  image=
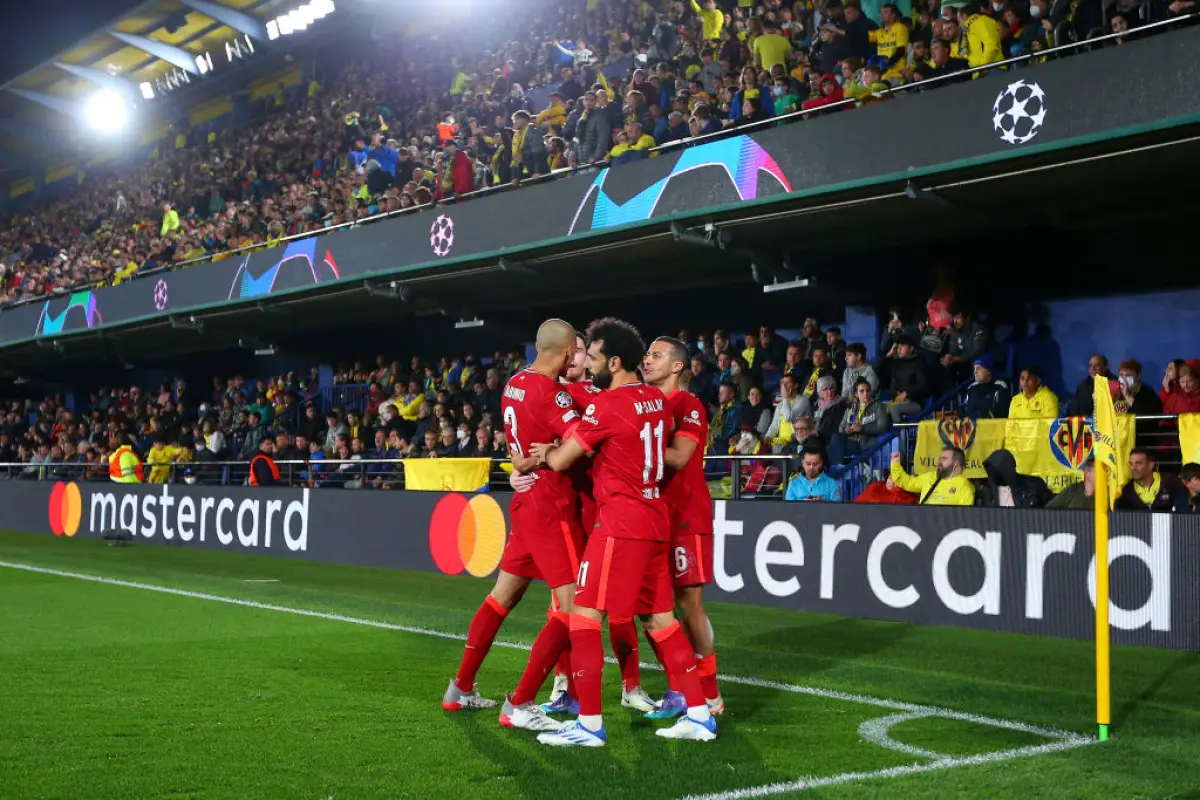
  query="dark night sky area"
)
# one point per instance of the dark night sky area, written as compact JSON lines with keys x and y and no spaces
{"x":36,"y":30}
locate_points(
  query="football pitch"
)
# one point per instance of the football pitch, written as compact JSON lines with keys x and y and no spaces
{"x":151,"y":671}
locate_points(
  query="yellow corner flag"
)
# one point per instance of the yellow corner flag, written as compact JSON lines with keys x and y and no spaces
{"x":1104,"y":448}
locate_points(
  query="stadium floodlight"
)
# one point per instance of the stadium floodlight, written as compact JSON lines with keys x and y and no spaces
{"x":306,"y":13}
{"x":299,"y":22}
{"x":321,"y":8}
{"x":285,"y":25}
{"x":273,"y":30}
{"x":147,"y":90}
{"x":106,"y":111}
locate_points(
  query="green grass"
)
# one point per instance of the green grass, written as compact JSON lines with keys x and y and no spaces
{"x":112,"y":691}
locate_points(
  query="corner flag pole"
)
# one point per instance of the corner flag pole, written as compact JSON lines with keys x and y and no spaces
{"x":1103,"y":669}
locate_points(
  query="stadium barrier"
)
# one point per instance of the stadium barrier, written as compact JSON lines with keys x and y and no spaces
{"x":1019,"y":571}
{"x":1071,"y":102}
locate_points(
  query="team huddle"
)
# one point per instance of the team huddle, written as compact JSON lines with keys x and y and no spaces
{"x":612,"y":511}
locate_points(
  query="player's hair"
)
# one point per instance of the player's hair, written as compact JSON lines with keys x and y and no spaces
{"x":618,"y":339}
{"x":1189,"y":472}
{"x":678,"y":349}
{"x":555,"y":334}
{"x":960,"y":458}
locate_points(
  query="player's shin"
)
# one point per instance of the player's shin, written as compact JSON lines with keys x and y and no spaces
{"x":623,"y":636}
{"x":550,"y":643}
{"x":700,"y":633}
{"x":679,"y":660}
{"x":587,"y":665}
{"x":484,"y":626}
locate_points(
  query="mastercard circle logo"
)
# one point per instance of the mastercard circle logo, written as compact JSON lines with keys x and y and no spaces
{"x":65,"y":508}
{"x":467,"y":534}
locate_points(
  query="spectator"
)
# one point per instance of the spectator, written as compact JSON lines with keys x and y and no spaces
{"x":1150,"y":490}
{"x":987,"y":397}
{"x":837,"y":347}
{"x":1135,"y":397}
{"x":947,"y":486}
{"x":812,"y":483}
{"x":1079,"y":496}
{"x":1184,"y":396}
{"x":1006,"y":488}
{"x":829,"y":409}
{"x":726,"y":421}
{"x":1035,"y":401}
{"x":456,"y":176}
{"x":758,"y":413}
{"x":703,"y":381}
{"x":966,"y":342}
{"x":791,"y":405}
{"x":1189,"y":476}
{"x":907,"y":377}
{"x":857,"y":369}
{"x":263,"y":469}
{"x":818,"y":367}
{"x":864,"y":419}
{"x":1083,"y":402}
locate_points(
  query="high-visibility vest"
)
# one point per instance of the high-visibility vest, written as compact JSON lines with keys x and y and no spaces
{"x":270,"y":463}
{"x":124,"y":466}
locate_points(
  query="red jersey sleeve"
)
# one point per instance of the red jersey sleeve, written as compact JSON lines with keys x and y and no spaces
{"x":593,"y":427}
{"x":562,"y":416}
{"x":690,"y":418}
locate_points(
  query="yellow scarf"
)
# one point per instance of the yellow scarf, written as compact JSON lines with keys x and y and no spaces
{"x":518,"y":144}
{"x":1147,"y":493}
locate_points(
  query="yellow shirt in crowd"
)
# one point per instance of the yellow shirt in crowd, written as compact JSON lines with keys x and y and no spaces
{"x":956,"y":491}
{"x":1043,"y":405}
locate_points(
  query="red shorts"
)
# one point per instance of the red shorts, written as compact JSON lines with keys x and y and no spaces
{"x":691,"y":558}
{"x":625,"y":577}
{"x":545,"y":543}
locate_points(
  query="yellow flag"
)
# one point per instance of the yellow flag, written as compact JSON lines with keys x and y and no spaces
{"x":1055,"y":450}
{"x":1104,"y":434}
{"x":1189,"y":437}
{"x":447,"y":474}
{"x":977,"y":438}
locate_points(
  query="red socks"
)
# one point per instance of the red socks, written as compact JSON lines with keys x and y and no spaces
{"x":706,"y":667}
{"x":623,"y":636}
{"x":657,"y":648}
{"x":587,"y":663}
{"x":680,"y":663}
{"x":551,"y":642}
{"x":480,"y":636}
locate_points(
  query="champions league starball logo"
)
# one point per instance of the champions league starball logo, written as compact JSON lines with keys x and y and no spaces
{"x":1019,"y":112}
{"x":441,"y":236}
{"x":161,"y":296}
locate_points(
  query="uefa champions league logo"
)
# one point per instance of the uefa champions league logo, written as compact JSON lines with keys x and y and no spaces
{"x":1019,"y":112}
{"x":160,"y":294}
{"x":441,"y":235}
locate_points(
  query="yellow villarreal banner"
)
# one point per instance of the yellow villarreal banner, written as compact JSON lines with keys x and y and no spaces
{"x":1052,"y":449}
{"x":1189,"y":437}
{"x":446,"y":474}
{"x":1055,"y":449}
{"x":977,"y":438}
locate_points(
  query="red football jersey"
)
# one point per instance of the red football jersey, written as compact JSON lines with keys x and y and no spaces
{"x":536,"y":409}
{"x":686,"y":491}
{"x":583,"y":392}
{"x":627,"y":428}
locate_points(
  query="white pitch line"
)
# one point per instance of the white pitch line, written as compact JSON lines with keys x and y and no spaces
{"x":805,"y":784}
{"x":875,"y":731}
{"x":1065,"y":740}
{"x":261,"y":580}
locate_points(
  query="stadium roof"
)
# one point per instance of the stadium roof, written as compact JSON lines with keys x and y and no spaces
{"x":143,"y":44}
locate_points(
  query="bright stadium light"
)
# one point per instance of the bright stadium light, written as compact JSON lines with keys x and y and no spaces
{"x":299,"y":21}
{"x":106,"y":111}
{"x":147,"y":90}
{"x":285,"y":25}
{"x":306,"y":13}
{"x":273,"y":30}
{"x":321,"y":8}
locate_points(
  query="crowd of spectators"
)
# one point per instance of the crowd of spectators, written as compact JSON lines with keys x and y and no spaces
{"x":814,"y":399}
{"x":433,"y":118}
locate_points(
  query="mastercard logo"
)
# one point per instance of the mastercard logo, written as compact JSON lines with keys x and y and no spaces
{"x":467,"y":535}
{"x":65,"y":508}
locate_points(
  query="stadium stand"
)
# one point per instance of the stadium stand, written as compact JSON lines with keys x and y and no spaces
{"x":425,"y":121}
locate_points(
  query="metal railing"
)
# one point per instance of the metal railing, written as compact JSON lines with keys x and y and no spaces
{"x":783,"y":119}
